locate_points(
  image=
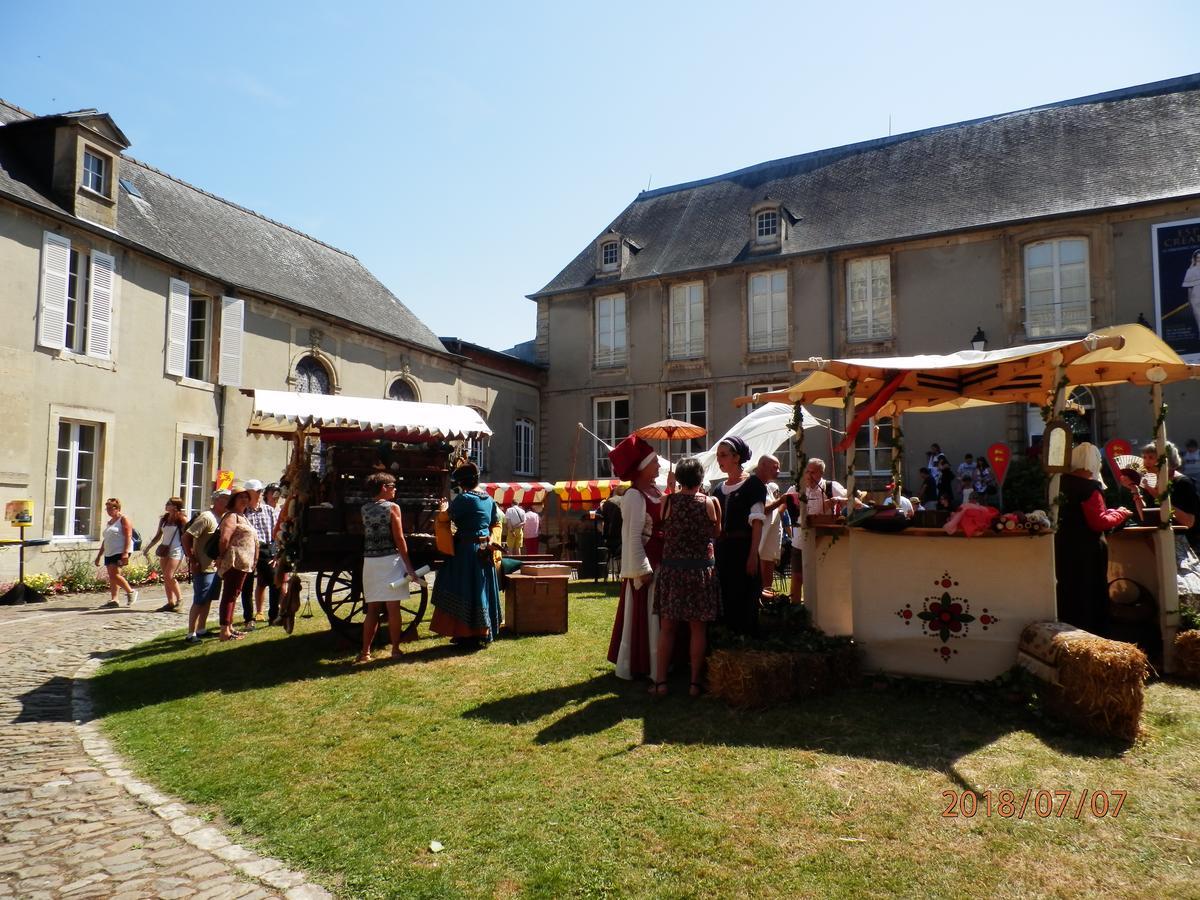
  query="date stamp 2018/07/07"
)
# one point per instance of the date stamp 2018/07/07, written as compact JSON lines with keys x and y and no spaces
{"x":1043,"y":804}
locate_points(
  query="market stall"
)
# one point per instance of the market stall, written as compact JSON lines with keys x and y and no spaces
{"x":337,"y":443}
{"x":923,"y":602}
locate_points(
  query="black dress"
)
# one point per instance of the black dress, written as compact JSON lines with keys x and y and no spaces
{"x":1080,"y":560}
{"x":739,"y":592}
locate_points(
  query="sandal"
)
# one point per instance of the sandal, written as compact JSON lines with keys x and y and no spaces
{"x":695,"y":689}
{"x":233,"y":636}
{"x":658,"y":689}
{"x":361,"y":659}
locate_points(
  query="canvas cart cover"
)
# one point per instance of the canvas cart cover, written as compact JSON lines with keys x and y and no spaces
{"x":283,"y":412}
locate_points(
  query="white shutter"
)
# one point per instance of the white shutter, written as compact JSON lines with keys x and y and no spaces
{"x":52,"y":301}
{"x":101,"y":288}
{"x":178,"y":296}
{"x":232,"y":314}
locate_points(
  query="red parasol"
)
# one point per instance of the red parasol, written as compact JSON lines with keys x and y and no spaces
{"x":669,"y":430}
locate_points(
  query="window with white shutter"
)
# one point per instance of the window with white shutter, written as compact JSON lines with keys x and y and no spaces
{"x":768,"y":311}
{"x":177,"y":327}
{"x":232,"y":315}
{"x":869,"y":299}
{"x":1058,"y":297}
{"x":687,"y":321}
{"x":52,"y":293}
{"x":611,"y":340}
{"x":101,"y":290}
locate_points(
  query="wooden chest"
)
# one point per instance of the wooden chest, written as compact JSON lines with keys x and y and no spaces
{"x":536,"y":604}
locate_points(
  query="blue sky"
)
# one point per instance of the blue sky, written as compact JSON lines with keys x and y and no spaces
{"x":467,"y":152}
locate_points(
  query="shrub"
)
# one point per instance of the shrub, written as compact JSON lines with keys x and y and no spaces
{"x":40,"y":582}
{"x":75,"y":571}
{"x":1025,"y":485}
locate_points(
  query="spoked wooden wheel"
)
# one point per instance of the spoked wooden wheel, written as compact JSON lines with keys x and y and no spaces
{"x":340,"y":594}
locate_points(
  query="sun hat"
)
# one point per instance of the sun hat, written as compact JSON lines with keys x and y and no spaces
{"x":253,"y":485}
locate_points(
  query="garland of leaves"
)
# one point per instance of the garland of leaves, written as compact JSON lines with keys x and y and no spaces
{"x":797,"y":425}
{"x":1048,"y":409}
{"x":897,"y":453}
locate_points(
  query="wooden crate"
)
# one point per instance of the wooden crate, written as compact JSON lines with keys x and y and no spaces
{"x":536,"y":604}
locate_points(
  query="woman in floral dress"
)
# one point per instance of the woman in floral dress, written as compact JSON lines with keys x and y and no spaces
{"x":687,"y":589}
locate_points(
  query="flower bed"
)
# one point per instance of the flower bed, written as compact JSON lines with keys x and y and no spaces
{"x":75,"y":573}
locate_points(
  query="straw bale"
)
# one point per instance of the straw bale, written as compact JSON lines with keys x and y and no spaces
{"x":1187,"y":654}
{"x":755,"y":679}
{"x":1100,"y":682}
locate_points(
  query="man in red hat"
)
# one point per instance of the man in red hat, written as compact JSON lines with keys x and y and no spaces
{"x":634,"y":643}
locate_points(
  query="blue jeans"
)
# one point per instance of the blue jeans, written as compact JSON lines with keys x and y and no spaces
{"x":207,"y":586}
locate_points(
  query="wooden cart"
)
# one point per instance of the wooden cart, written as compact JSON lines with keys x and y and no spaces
{"x":338,"y":442}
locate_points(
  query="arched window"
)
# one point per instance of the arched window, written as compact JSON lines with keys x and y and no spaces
{"x":523,"y":447}
{"x":402,"y":389}
{"x":312,"y":377}
{"x":1079,"y":413}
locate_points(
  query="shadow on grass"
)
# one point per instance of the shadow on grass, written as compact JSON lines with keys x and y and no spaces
{"x":250,"y":665}
{"x":929,"y":729}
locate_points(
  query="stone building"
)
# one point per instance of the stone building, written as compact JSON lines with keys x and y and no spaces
{"x":1010,"y":229}
{"x":135,"y":308}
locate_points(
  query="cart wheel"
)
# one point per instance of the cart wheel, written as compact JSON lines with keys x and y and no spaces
{"x":341,"y":596}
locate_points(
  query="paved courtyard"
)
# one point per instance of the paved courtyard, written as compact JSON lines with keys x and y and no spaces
{"x":75,"y":823}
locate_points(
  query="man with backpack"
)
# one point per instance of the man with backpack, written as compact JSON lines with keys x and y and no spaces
{"x":514,"y":520}
{"x":201,"y":540}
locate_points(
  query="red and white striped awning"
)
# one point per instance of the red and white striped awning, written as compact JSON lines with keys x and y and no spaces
{"x":523,"y":492}
{"x":580,"y":492}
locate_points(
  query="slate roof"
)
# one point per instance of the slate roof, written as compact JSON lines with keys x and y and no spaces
{"x":230,"y":244}
{"x":1107,"y":150}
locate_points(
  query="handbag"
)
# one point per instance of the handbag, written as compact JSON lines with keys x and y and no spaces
{"x":443,"y":532}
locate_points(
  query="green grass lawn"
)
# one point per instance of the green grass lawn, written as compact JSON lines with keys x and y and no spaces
{"x":543,"y":775}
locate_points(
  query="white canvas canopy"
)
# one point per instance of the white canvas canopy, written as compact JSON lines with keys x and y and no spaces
{"x":283,"y":413}
{"x":1122,"y":354}
{"x":764,"y":431}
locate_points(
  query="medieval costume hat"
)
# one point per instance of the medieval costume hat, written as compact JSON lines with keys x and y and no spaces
{"x":631,"y":456}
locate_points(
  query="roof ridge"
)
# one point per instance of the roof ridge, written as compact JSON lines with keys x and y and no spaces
{"x":198,"y":190}
{"x":1152,"y":88}
{"x":239,"y":207}
{"x":19,"y":109}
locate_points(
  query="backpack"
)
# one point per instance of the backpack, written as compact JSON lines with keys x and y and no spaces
{"x":137,"y":539}
{"x":212,"y":547}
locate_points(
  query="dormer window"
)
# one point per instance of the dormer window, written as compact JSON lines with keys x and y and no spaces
{"x":95,"y":172}
{"x":610,"y":256}
{"x":766,"y":226}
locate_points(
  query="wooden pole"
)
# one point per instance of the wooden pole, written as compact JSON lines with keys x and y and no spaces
{"x":1164,"y":538}
{"x":849,"y":417}
{"x":1057,"y":402}
{"x":897,"y":458}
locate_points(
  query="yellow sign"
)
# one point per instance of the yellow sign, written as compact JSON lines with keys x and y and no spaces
{"x":224,"y":479}
{"x":19,"y":513}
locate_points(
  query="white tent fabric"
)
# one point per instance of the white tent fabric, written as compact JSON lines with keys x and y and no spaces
{"x":764,"y":430}
{"x":282,"y":412}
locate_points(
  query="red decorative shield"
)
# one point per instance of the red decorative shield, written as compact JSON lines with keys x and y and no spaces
{"x":998,"y":456}
{"x":1114,"y":448}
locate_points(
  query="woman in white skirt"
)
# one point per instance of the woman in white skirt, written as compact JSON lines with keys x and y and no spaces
{"x":386,"y":564}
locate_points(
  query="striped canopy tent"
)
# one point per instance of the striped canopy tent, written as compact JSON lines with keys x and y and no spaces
{"x":585,"y":493}
{"x":524,"y":492}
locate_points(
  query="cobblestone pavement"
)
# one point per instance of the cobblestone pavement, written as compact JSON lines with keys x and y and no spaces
{"x":74,"y":822}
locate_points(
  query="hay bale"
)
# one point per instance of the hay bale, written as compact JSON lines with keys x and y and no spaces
{"x":750,"y":679}
{"x":810,"y":674}
{"x":1093,"y":683}
{"x":1187,"y":654}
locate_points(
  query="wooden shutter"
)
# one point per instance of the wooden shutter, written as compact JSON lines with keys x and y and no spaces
{"x":178,"y":296}
{"x":101,"y":288}
{"x":52,"y":300}
{"x":233,"y":311}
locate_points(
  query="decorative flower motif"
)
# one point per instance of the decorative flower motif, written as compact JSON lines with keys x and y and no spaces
{"x":945,"y":616}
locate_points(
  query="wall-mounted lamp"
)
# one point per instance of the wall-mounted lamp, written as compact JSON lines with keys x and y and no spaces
{"x":979,"y":341}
